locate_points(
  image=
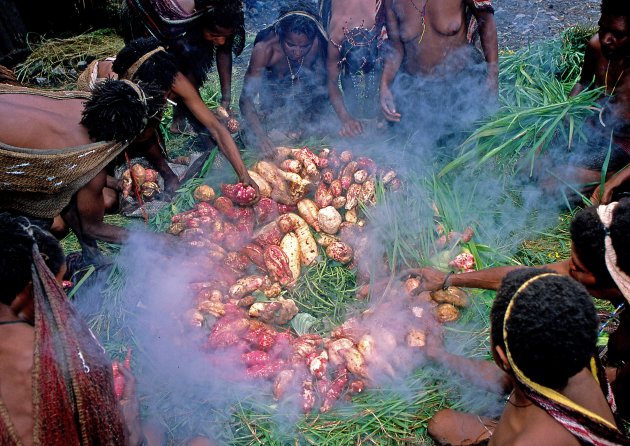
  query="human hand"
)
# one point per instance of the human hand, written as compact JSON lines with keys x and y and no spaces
{"x":388,"y":106}
{"x":431,"y":279}
{"x":248,"y":181}
{"x":130,"y":409}
{"x":609,"y":189}
{"x":351,"y":127}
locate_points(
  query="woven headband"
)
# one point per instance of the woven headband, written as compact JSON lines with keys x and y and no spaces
{"x":605,"y":213}
{"x":308,"y":16}
{"x":131,"y":71}
{"x":137,"y":89}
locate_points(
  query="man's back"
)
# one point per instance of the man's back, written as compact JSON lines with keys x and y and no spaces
{"x":38,"y":122}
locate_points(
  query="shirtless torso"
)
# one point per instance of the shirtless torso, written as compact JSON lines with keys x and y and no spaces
{"x":524,"y":421}
{"x":274,"y":62}
{"x":344,"y":16}
{"x":424,"y":33}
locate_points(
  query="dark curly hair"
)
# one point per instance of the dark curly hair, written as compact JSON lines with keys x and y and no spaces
{"x":616,"y":7}
{"x":587,"y":236}
{"x":296,"y":23}
{"x":159,"y":69}
{"x":552,"y":328}
{"x":116,"y":111}
{"x":16,"y":254}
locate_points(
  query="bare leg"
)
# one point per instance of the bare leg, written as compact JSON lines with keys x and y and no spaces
{"x":449,"y":427}
{"x":200,"y":441}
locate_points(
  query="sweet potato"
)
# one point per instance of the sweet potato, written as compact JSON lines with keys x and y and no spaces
{"x":239,"y":193}
{"x":360,"y":176}
{"x":323,"y":197}
{"x":351,"y":215}
{"x":328,"y":176}
{"x":338,"y":202}
{"x":263,"y":186}
{"x":352,"y":197}
{"x":268,"y":235}
{"x":367,"y":194}
{"x":308,"y":211}
{"x":335,"y":188}
{"x":349,"y":170}
{"x":289,"y":165}
{"x":277,"y":263}
{"x":329,"y":220}
{"x":204,"y":193}
{"x":291,"y":247}
{"x":308,"y":246}
{"x":346,"y":156}
{"x":246,"y":285}
{"x":340,"y":252}
{"x":326,"y":239}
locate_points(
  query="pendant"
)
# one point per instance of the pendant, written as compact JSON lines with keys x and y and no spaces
{"x":293,"y":77}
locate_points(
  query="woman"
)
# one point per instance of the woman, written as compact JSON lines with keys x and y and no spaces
{"x":287,"y":73}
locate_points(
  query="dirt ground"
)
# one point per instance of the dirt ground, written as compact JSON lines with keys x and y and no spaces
{"x":520,"y":22}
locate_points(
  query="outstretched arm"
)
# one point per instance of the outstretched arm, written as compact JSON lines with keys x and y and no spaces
{"x":488,"y":36}
{"x":189,"y":94}
{"x":251,"y":87}
{"x":350,"y":126}
{"x":394,"y":52}
{"x":224,"y":67}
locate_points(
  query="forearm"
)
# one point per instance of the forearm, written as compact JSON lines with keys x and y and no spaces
{"x":251,"y":117}
{"x":484,"y":374}
{"x":336,"y":100}
{"x":230,"y":150}
{"x":105,"y":232}
{"x":393,"y":61}
{"x":224,"y":67}
{"x":487,"y":279}
{"x":155,"y":156}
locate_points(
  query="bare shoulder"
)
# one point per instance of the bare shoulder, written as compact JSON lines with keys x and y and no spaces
{"x":546,"y":431}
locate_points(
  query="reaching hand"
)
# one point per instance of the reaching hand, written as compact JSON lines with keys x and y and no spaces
{"x":351,"y":127}
{"x":431,"y":279}
{"x":248,"y":181}
{"x":388,"y":106}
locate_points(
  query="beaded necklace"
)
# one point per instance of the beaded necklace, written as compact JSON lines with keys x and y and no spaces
{"x":423,"y":13}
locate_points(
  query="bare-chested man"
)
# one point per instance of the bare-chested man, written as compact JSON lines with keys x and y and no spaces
{"x":607,"y":65}
{"x":355,"y":36}
{"x":432,"y":54}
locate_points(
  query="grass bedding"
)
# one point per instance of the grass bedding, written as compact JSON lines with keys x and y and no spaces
{"x":535,"y":82}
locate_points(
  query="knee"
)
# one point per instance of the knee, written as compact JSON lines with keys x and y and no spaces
{"x":441,"y":423}
{"x":200,"y":441}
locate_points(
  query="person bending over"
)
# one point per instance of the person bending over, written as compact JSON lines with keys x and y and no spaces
{"x":356,"y":36}
{"x":600,"y":260}
{"x":543,"y":332}
{"x":144,"y":60}
{"x":287,"y":73}
{"x":59,"y":167}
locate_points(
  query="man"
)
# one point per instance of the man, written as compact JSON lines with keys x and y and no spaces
{"x":56,"y":385}
{"x":144,"y":60}
{"x":355,"y":38}
{"x":433,"y":64}
{"x":58,"y":168}
{"x":607,"y":66}
{"x":287,"y":72}
{"x":600,"y":260}
{"x":543,"y":329}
